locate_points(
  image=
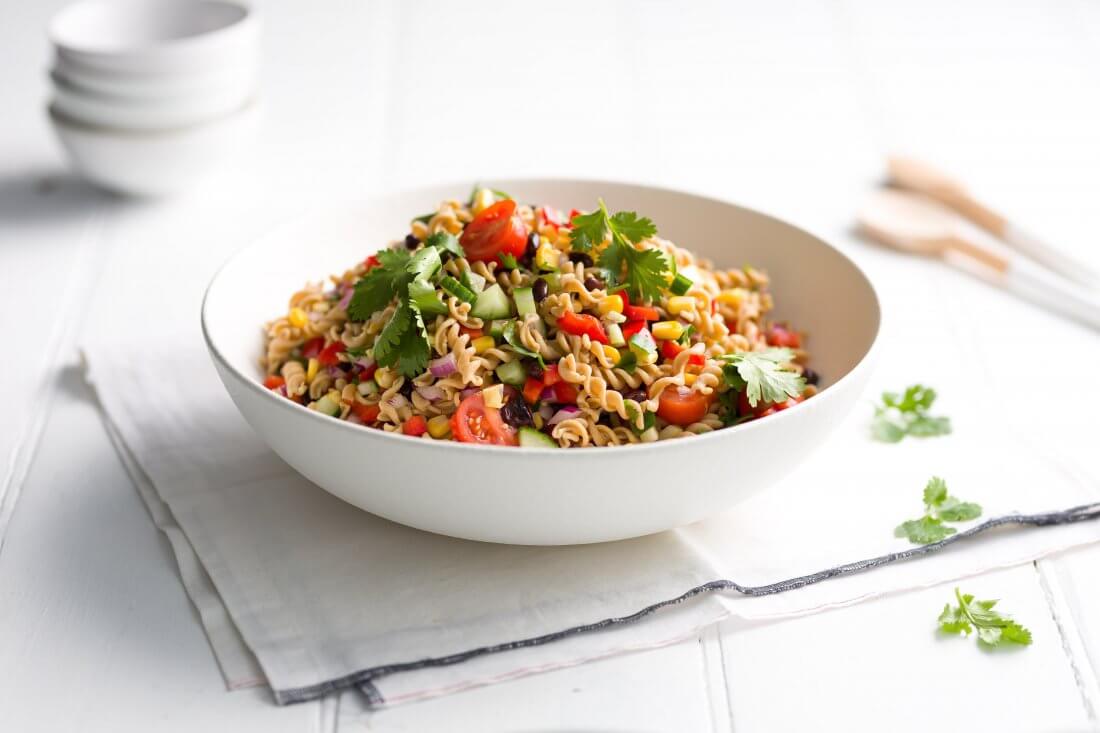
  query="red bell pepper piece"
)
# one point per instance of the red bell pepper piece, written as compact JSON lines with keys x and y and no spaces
{"x":372,"y":262}
{"x":366,"y":413}
{"x":550,"y":375}
{"x":640,"y":313}
{"x":313,"y":347}
{"x":582,"y":324}
{"x":274,"y":381}
{"x":532,"y":390}
{"x":415,"y":426}
{"x":670,"y":349}
{"x":632,"y":327}
{"x":780,"y":336}
{"x":565,"y":392}
{"x":551,"y":216}
{"x":329,"y":356}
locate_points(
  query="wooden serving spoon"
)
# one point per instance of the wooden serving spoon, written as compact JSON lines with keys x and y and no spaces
{"x":920,"y":177}
{"x":916,"y":224}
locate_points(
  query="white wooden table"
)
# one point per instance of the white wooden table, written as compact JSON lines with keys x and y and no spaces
{"x":788,"y":109}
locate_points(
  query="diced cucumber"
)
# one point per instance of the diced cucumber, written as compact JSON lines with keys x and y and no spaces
{"x":615,"y":334}
{"x":327,"y":405}
{"x":473,"y":281}
{"x":531,"y":438}
{"x":680,"y":284}
{"x":457,"y":289}
{"x":525,"y":301}
{"x":492,"y":303}
{"x":644,"y":347}
{"x":512,"y":372}
{"x":553,"y":280}
{"x":423,"y":294}
{"x":496,"y":329}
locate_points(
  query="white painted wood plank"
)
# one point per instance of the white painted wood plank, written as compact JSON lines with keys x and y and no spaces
{"x":659,"y":690}
{"x":95,"y":630}
{"x":1071,"y":580}
{"x":882,"y":664}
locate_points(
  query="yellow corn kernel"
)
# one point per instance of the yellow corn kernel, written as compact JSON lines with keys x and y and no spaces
{"x":334,"y":396}
{"x":538,"y":421}
{"x":546,"y":257}
{"x":610,"y":304}
{"x":439,"y":426}
{"x":667,"y":330}
{"x":483,"y":344}
{"x":731,"y":297}
{"x":689,"y":378}
{"x":311,"y":370}
{"x":611,"y":353}
{"x":678,"y":304}
{"x":483,"y":199}
{"x":298,"y":318}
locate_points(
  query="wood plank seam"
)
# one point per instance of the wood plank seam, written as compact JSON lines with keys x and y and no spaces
{"x":1084,"y":675}
{"x":82,"y":279}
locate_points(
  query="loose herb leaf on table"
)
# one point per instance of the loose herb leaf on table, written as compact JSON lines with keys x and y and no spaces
{"x":994,"y":628}
{"x":907,"y":414}
{"x":939,"y":507}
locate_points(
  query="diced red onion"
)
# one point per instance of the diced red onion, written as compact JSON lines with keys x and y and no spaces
{"x":354,"y":420}
{"x":282,"y":391}
{"x":336,"y":372}
{"x":397,"y":401}
{"x":315,"y":315}
{"x":444,"y":366}
{"x":343,"y":304}
{"x":563,"y":414}
{"x":365,"y":362}
{"x":548,"y":395}
{"x":430,"y":392}
{"x":470,"y":391}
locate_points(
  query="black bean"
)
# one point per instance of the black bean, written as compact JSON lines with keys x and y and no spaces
{"x":811,"y":376}
{"x":593,"y":283}
{"x":516,"y":413}
{"x":540,"y":289}
{"x":638,"y":395}
{"x":411,"y":242}
{"x":407,"y":388}
{"x":535,"y":371}
{"x":532,"y":245}
{"x":581,"y":259}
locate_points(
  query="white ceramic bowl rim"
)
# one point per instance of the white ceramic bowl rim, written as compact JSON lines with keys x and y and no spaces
{"x":198,"y":21}
{"x":60,"y":118}
{"x":574,"y":454}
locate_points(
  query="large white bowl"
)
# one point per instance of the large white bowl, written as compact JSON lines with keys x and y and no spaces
{"x":156,"y":36}
{"x":545,"y":496}
{"x":156,"y":163}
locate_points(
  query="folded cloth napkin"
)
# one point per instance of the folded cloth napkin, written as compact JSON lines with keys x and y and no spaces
{"x":299,"y":589}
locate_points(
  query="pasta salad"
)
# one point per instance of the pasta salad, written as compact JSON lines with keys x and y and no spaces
{"x":503,"y":323}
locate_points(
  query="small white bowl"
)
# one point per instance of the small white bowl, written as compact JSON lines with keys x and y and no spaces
{"x":541,"y":496}
{"x":161,"y":113}
{"x":153,"y":86}
{"x":156,"y":36}
{"x":152,"y":163}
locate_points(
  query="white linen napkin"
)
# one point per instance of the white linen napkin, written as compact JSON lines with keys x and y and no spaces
{"x":322,"y":595}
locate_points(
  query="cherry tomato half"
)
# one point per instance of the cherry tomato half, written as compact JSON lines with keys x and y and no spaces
{"x":473,"y":422}
{"x":683,"y":406}
{"x":780,"y":336}
{"x":495,"y":231}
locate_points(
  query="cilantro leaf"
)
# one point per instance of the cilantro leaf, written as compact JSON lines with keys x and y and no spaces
{"x":629,"y":225}
{"x":907,"y":414}
{"x":953,"y":510}
{"x":935,"y":491}
{"x":424,"y":264}
{"x":763,"y":377}
{"x":589,"y":230}
{"x":512,"y":339}
{"x":445,"y":242}
{"x":403,"y":343}
{"x":924,"y":531}
{"x":423,"y":294}
{"x":376,"y":289}
{"x":387,"y":347}
{"x":508,"y":261}
{"x":994,"y":628}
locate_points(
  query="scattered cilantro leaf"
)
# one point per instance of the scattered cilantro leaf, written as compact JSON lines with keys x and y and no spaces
{"x":512,"y":339}
{"x":376,"y":289}
{"x":939,"y":507}
{"x":642,"y":271}
{"x":907,"y":414}
{"x":761,"y":376}
{"x":426,"y":298}
{"x":994,"y":628}
{"x":924,"y":531}
{"x":444,"y":241}
{"x":387,"y":347}
{"x":424,"y":264}
{"x":508,"y":261}
{"x":497,"y":194}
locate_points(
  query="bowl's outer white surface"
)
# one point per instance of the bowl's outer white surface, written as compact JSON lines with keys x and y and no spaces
{"x":157,"y":87}
{"x":156,"y":36}
{"x":138,"y":163}
{"x":533,"y":496}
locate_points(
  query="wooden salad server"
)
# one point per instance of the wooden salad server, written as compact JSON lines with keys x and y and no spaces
{"x":917,"y":176}
{"x":919,"y":225}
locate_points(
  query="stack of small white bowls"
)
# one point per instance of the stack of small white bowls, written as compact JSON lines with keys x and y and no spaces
{"x":149,"y":95}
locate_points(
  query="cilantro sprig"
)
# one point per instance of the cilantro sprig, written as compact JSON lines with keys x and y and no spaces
{"x":410,"y":277}
{"x":939,"y":507}
{"x":907,"y":414}
{"x":643,"y":272}
{"x":994,"y":628}
{"x":760,"y":374}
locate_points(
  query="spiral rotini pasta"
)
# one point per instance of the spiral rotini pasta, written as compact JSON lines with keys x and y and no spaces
{"x":502,"y":323}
